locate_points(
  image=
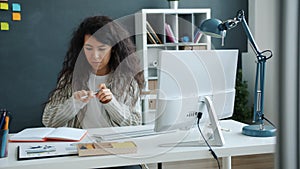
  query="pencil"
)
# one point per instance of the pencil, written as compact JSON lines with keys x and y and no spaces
{"x":6,"y":123}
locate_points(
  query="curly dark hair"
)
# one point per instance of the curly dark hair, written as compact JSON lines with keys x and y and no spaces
{"x":76,"y":67}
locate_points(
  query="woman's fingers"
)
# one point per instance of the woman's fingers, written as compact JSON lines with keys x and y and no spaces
{"x":83,"y":95}
{"x":104,"y":95}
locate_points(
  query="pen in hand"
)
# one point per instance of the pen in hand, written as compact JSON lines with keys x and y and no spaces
{"x":103,"y":94}
{"x":86,"y":96}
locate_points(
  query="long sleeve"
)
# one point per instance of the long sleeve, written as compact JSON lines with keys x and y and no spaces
{"x":126,"y":110}
{"x":62,"y":109}
{"x":123,"y":115}
{"x":59,"y":114}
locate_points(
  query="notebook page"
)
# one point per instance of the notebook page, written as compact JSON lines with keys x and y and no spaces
{"x":32,"y":134}
{"x":67,"y":133}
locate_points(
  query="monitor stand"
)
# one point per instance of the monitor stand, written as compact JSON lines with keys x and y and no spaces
{"x":216,"y":139}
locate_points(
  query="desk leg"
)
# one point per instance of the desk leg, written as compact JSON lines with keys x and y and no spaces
{"x":226,"y":162}
{"x":159,"y":165}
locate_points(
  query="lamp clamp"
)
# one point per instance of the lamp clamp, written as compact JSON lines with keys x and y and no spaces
{"x":231,"y":23}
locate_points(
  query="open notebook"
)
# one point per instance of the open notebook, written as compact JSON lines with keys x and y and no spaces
{"x":46,"y":133}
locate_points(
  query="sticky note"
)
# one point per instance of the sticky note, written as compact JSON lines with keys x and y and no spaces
{"x":89,"y":146}
{"x":3,"y":6}
{"x":16,"y":16}
{"x":4,"y":26}
{"x":123,"y":145}
{"x":16,"y":7}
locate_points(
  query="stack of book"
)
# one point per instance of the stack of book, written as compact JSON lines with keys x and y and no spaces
{"x":197,"y":36}
{"x":151,"y":35}
{"x":170,"y":34}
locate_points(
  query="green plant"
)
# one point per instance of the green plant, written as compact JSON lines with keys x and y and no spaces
{"x":242,"y":112}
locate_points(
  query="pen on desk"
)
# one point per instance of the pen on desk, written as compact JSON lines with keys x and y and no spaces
{"x":94,"y":93}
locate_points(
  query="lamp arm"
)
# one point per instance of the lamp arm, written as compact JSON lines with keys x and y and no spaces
{"x":260,"y":76}
{"x":260,"y":72}
{"x":241,"y":18}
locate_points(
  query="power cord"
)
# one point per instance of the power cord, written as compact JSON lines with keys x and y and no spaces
{"x":199,"y":116}
{"x":264,"y":118}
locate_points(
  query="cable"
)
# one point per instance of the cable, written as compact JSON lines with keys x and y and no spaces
{"x":268,"y":53}
{"x":199,"y":115}
{"x":264,"y":118}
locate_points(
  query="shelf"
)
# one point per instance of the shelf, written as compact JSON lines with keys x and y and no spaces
{"x":166,"y":29}
{"x":149,"y":96}
{"x":152,"y":78}
{"x":176,"y":44}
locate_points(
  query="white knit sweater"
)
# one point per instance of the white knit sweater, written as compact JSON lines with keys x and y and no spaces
{"x":123,"y":110}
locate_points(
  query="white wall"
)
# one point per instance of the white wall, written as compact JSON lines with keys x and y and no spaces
{"x":262,"y":21}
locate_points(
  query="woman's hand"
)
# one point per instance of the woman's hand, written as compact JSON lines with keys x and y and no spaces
{"x":84,"y":96}
{"x":104,"y":95}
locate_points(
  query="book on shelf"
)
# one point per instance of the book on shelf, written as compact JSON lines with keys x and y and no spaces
{"x":152,"y":34}
{"x":170,"y":34}
{"x":193,"y":47}
{"x":47,"y":133}
{"x":150,"y":38}
{"x":197,"y":36}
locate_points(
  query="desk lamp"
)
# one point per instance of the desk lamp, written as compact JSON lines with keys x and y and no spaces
{"x":216,"y":28}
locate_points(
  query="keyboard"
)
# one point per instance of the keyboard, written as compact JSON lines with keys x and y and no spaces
{"x":129,"y":134}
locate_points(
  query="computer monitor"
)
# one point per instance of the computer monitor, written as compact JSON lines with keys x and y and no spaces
{"x":192,"y":81}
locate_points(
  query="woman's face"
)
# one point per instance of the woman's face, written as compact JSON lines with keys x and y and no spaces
{"x":97,"y":54}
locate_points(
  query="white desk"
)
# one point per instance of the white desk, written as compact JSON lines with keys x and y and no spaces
{"x":149,"y":151}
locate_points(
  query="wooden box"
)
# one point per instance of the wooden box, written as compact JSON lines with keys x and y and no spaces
{"x":106,"y":148}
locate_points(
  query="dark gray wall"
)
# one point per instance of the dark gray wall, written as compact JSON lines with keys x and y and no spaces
{"x":32,"y":52}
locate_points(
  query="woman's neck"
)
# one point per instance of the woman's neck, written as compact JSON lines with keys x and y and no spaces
{"x":102,"y":72}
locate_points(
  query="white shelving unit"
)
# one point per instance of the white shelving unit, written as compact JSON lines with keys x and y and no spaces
{"x":184,"y":24}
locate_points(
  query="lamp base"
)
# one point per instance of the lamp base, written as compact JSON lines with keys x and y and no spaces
{"x":255,"y":131}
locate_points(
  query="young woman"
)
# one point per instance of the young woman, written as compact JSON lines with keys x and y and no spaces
{"x":101,"y":79}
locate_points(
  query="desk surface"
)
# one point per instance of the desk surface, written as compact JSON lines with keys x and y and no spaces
{"x":150,"y":151}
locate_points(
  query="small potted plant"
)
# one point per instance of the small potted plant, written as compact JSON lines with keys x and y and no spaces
{"x":173,"y":4}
